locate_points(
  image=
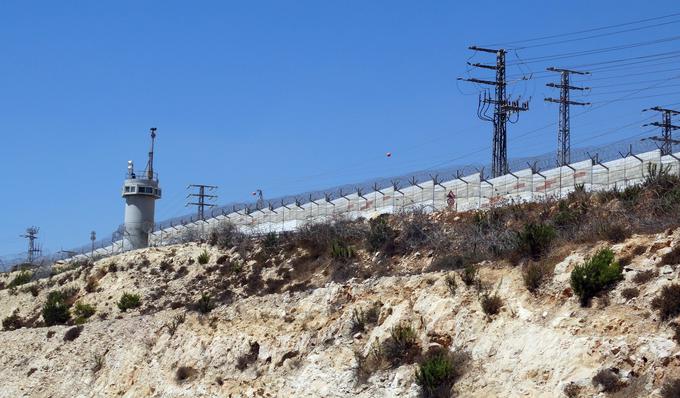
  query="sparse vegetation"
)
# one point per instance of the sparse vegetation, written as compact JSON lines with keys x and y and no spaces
{"x":177,"y":320}
{"x":491,"y":303}
{"x":534,"y":274}
{"x":447,"y":262}
{"x":595,"y":275}
{"x":470,"y":274}
{"x":226,"y":235}
{"x":248,"y":358}
{"x":361,"y":318}
{"x":402,"y":346}
{"x":381,"y":235}
{"x":128,"y":301}
{"x":668,"y":301}
{"x":643,"y":277}
{"x":203,"y":258}
{"x":22,"y":278}
{"x":341,"y":251}
{"x":12,"y":322}
{"x":572,"y":390}
{"x":630,"y":293}
{"x":672,"y":257}
{"x":439,"y":370}
{"x":451,"y":283}
{"x":97,"y":363}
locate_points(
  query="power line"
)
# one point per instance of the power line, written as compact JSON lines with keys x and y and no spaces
{"x":583,"y":31}
{"x":201,"y":196}
{"x":667,"y":128}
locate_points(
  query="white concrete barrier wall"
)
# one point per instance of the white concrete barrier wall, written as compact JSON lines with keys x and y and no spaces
{"x":459,"y":194}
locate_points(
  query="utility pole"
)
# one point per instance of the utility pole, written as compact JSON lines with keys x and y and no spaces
{"x":201,"y":197}
{"x":667,"y":128}
{"x":563,"y":134}
{"x":33,"y":250}
{"x":503,"y":108}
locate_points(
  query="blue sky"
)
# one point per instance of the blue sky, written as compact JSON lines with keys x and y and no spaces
{"x":281,"y":96}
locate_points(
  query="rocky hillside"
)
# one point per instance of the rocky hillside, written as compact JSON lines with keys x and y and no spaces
{"x":215,"y":322}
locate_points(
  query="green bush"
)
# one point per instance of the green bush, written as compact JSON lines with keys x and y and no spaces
{"x":381,"y":235}
{"x":668,"y":301}
{"x":439,"y":370}
{"x":204,"y":305}
{"x":402,"y":345}
{"x":451,"y":284}
{"x":595,"y":275}
{"x":128,"y":301}
{"x":535,"y":240}
{"x":361,"y":318}
{"x":21,"y":279}
{"x":204,"y":257}
{"x":341,"y":250}
{"x":56,"y":310}
{"x":82,"y":312}
{"x":491,"y":303}
{"x":469,"y":274}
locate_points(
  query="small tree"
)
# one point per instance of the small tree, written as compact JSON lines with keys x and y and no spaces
{"x":534,"y":241}
{"x":595,"y":275}
{"x":55,"y":311}
{"x":128,"y":301}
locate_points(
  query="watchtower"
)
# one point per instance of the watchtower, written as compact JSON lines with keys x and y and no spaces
{"x":140,"y":191}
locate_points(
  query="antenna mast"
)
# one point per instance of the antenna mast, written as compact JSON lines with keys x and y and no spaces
{"x":33,"y":250}
{"x":149,"y":166}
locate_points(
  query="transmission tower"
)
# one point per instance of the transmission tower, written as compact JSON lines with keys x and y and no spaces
{"x":33,"y":249}
{"x":203,"y":199}
{"x":563,"y":134}
{"x":667,"y":128}
{"x":503,"y":108}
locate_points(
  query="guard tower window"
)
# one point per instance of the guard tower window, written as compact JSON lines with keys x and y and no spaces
{"x":127,"y":189}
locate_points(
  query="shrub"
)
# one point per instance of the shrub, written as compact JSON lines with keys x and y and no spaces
{"x":248,"y":358}
{"x":82,"y":312}
{"x":226,"y":235}
{"x":668,"y":301}
{"x":491,"y":303}
{"x":402,"y":345}
{"x":595,"y":275}
{"x":204,"y":257}
{"x":73,"y":333}
{"x":671,"y":389}
{"x":22,"y":278}
{"x":607,"y":380}
{"x":645,"y":276}
{"x":470,"y":274}
{"x":439,"y":370}
{"x":572,"y":390}
{"x":204,"y":304}
{"x":92,"y":284}
{"x":447,"y":262}
{"x":341,"y":250}
{"x":361,"y":318}
{"x":128,"y":301}
{"x":672,"y":257}
{"x":97,"y":363}
{"x":55,"y":311}
{"x":630,"y":293}
{"x":451,"y":284}
{"x":270,"y":242}
{"x":534,"y":274}
{"x":535,"y":240}
{"x":174,"y":324}
{"x":12,"y":322}
{"x":184,"y":373}
{"x":381,"y":235}
{"x":613,"y":232}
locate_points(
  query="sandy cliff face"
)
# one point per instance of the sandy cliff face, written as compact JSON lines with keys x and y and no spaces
{"x":279,"y":337}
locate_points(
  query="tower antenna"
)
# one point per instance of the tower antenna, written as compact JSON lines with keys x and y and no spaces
{"x":149,"y":166}
{"x":33,"y":250}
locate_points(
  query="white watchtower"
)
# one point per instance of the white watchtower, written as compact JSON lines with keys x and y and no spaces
{"x":140,"y":191}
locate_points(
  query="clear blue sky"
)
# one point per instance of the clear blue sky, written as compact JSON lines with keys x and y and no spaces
{"x":279,"y":95}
